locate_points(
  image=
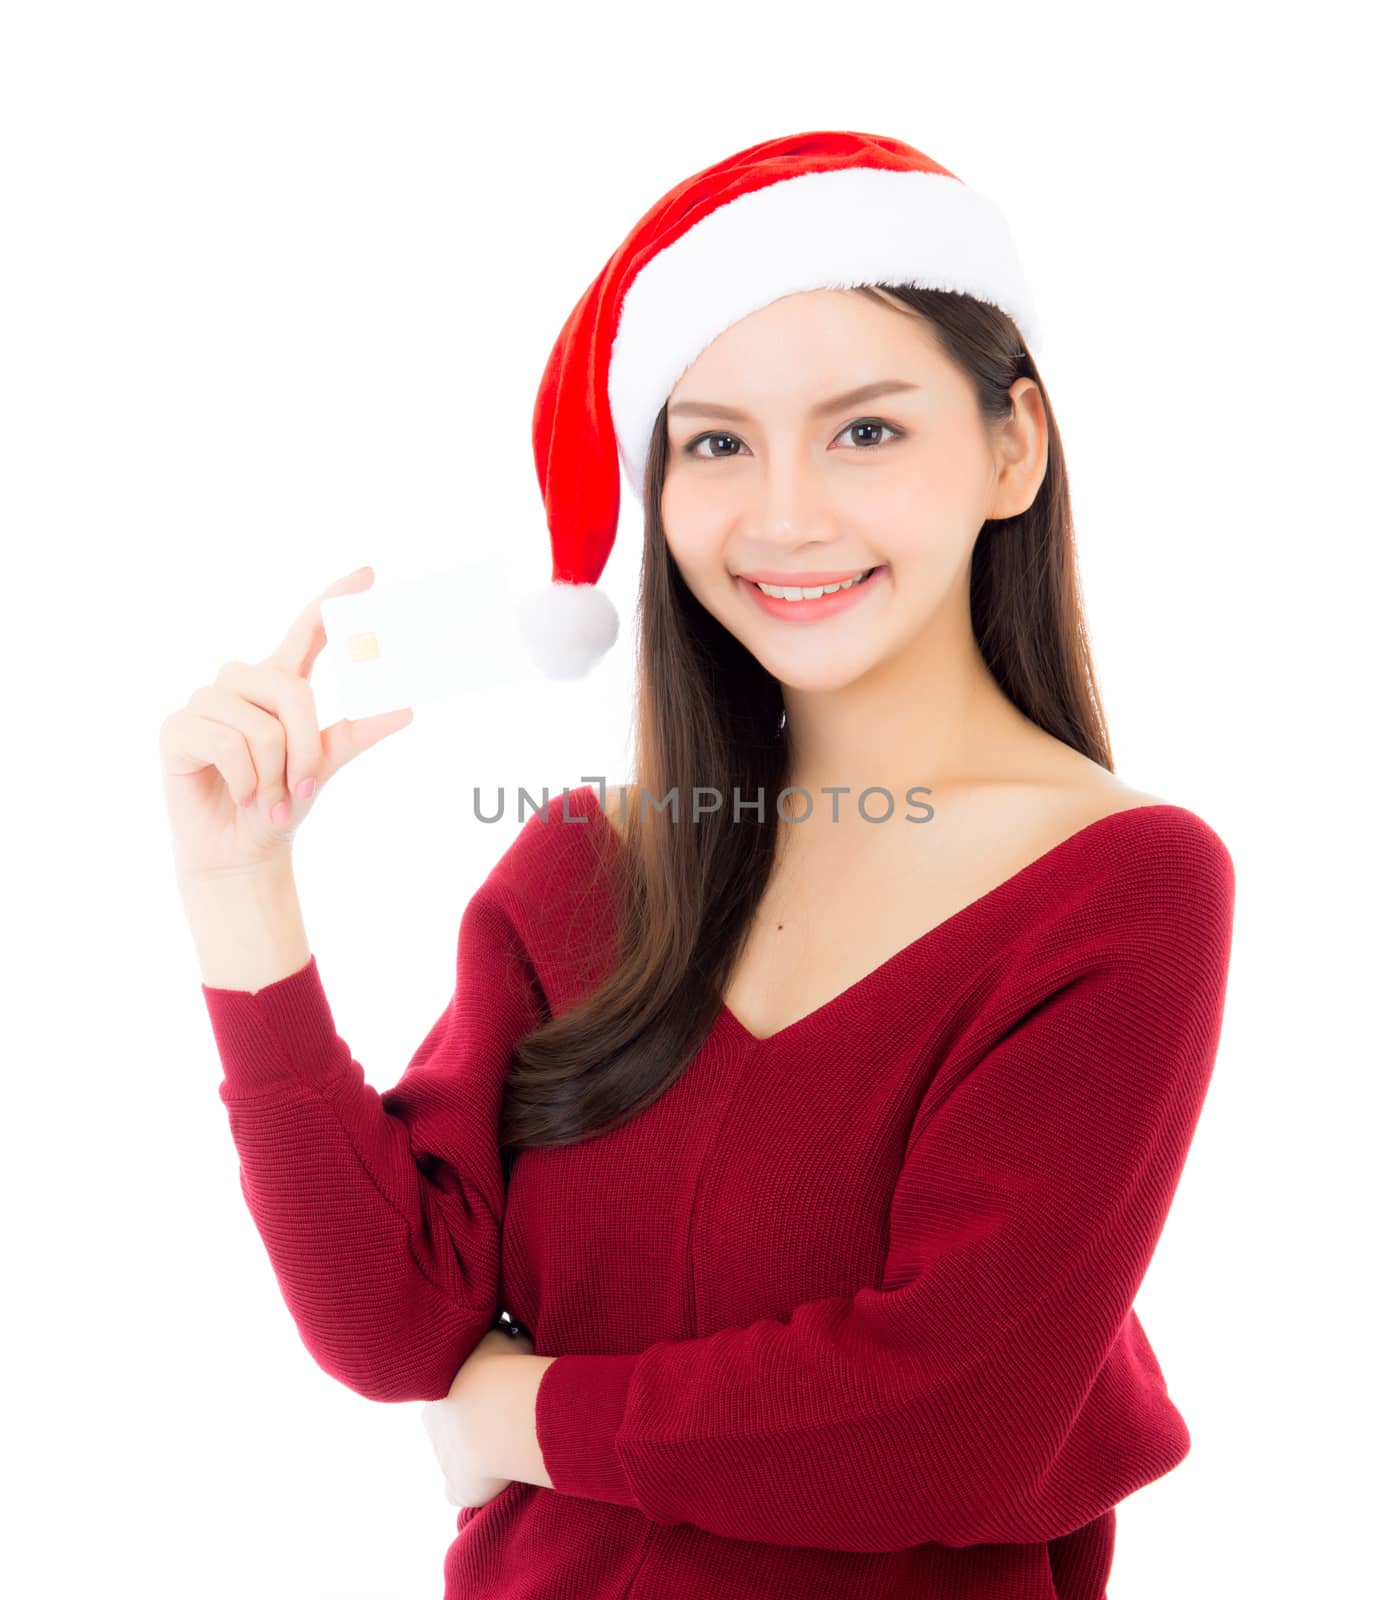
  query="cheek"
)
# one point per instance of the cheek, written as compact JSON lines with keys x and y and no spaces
{"x":963,"y":465}
{"x":924,"y":536}
{"x":695,"y":540}
{"x":932,"y":506}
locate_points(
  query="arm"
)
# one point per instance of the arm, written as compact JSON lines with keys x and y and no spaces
{"x":246,"y":925}
{"x":994,"y":1386}
{"x":381,"y":1212}
{"x":488,"y":1419}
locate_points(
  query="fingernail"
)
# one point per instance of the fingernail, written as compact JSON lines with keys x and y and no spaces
{"x":279,"y":813}
{"x":306,"y":788}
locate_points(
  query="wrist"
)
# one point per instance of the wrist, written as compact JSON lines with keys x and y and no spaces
{"x":272,"y":870}
{"x":246,"y":924}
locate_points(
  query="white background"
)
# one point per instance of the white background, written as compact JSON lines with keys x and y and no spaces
{"x":280,"y":285}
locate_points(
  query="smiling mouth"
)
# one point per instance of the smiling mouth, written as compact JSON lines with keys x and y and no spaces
{"x":795,"y":593}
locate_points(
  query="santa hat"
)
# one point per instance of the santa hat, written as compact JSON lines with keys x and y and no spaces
{"x":823,"y":210}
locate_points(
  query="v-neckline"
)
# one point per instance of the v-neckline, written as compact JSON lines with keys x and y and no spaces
{"x":726,"y":1017}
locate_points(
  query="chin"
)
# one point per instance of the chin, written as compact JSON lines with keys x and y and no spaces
{"x":824,"y":677}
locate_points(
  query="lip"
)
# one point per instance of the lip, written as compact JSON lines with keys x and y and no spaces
{"x":813,"y":610}
{"x":802,"y":580}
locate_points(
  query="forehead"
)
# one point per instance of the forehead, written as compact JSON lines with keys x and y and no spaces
{"x":806,"y":348}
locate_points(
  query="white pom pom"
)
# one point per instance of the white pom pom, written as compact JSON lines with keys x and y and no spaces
{"x":567,"y":627}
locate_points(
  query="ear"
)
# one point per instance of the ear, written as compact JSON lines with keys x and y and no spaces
{"x":1022,"y":452}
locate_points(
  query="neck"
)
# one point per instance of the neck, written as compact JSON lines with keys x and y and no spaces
{"x":932,"y":716}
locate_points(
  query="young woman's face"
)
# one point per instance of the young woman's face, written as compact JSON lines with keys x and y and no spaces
{"x":765,"y":480}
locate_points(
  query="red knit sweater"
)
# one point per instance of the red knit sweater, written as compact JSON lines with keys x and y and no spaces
{"x":847,"y":1311}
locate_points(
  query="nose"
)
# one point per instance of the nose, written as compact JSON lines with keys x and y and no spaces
{"x":794,"y":511}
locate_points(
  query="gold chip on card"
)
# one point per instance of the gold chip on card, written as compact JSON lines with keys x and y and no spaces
{"x":363,"y":646}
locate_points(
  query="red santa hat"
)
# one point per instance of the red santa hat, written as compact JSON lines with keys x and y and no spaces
{"x":823,"y":210}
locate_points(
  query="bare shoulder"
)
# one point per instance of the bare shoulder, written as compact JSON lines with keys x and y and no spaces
{"x":1066,"y":787}
{"x":1105,"y":796}
{"x":1050,"y":791}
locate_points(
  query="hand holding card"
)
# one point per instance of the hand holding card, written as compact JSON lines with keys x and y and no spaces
{"x":242,"y":759}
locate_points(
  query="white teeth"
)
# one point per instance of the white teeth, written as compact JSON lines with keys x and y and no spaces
{"x":790,"y":593}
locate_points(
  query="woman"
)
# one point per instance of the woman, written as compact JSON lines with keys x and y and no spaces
{"x":835,"y":1149}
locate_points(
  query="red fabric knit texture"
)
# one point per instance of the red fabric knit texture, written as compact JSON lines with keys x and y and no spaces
{"x":845,"y":1311}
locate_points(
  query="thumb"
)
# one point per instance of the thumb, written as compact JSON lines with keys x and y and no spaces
{"x":344,"y":740}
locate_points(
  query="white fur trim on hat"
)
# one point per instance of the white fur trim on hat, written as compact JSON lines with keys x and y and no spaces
{"x":567,"y":627}
{"x":821,"y":230}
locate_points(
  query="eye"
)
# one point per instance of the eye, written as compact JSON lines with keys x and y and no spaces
{"x":692,"y":449}
{"x":875,"y":422}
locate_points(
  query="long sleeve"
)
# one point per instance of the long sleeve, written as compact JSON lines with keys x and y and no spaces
{"x":995,"y":1385}
{"x":381,"y":1213}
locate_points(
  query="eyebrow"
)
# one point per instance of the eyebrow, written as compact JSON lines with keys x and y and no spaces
{"x":868,"y":391}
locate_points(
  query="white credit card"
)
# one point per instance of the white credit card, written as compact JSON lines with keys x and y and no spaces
{"x":410,"y":642}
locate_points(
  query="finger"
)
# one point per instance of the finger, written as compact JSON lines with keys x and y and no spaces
{"x":262,"y":732}
{"x":305,"y":639}
{"x":290,"y":701}
{"x":344,"y":740}
{"x":189,"y":742}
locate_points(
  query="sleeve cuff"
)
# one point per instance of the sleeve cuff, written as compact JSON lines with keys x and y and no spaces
{"x":578,"y":1413}
{"x":276,"y":1039}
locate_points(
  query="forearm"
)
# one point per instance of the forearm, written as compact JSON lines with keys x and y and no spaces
{"x":509,"y":1395}
{"x":247,"y":926}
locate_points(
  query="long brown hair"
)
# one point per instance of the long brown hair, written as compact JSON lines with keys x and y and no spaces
{"x":708,"y":714}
